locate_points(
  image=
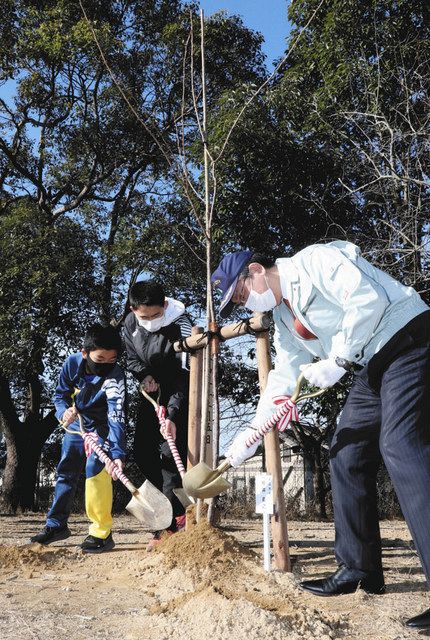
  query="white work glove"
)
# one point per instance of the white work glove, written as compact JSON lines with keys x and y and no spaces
{"x":324,"y":373}
{"x":238,"y":452}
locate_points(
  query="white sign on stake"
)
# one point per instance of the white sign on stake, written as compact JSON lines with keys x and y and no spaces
{"x":264,"y":505}
{"x":263,"y":493}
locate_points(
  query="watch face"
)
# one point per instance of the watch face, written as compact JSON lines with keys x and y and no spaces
{"x":345,"y":364}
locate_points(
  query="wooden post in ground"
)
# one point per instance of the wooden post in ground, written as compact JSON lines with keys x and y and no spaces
{"x":281,"y":551}
{"x":195,"y":403}
{"x":197,"y":342}
{"x":213,"y":432}
{"x":194,"y":412}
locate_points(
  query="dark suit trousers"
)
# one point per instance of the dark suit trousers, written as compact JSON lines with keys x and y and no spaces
{"x":387,"y":414}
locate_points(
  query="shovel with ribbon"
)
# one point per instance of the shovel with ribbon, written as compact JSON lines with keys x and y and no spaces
{"x":147,"y":504}
{"x":203,"y":482}
{"x":181,"y":494}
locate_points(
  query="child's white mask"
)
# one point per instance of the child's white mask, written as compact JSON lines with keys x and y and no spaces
{"x":152,"y":325}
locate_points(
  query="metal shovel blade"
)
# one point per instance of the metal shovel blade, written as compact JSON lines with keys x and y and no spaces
{"x":183,"y":497}
{"x":151,"y":507}
{"x":203,"y":482}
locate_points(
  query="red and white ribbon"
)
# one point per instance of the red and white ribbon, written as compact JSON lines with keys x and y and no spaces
{"x":293,"y":416}
{"x":161,"y":414}
{"x":90,"y":444}
{"x":286,"y":412}
{"x":90,"y":437}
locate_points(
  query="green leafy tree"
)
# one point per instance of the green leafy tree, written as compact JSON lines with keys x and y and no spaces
{"x":91,"y":189}
{"x":336,"y":146}
{"x":278,"y":190}
{"x":358,"y":85}
{"x":46,"y":292}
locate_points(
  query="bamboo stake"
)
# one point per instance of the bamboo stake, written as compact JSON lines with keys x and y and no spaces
{"x":273,"y":460}
{"x":209,"y":299}
{"x":210,"y":415}
{"x":204,"y":419}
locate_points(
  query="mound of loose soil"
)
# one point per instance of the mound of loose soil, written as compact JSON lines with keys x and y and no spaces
{"x":233,"y":594}
{"x":202,"y":584}
{"x":205,"y":548}
{"x":31,"y":556}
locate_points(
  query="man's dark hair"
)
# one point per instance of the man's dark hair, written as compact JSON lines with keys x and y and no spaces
{"x":147,"y":292}
{"x":100,"y":336}
{"x":262,"y":259}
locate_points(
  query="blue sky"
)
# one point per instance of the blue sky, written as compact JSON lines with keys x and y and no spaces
{"x":269,"y":17}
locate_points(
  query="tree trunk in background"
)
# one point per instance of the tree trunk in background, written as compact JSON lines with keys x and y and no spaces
{"x":24,"y":442}
{"x":9,"y":498}
{"x":37,"y":432}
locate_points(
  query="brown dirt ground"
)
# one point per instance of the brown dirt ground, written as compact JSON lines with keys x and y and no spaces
{"x":202,"y":584}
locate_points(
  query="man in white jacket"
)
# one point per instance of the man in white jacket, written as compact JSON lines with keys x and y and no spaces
{"x":335,"y":312}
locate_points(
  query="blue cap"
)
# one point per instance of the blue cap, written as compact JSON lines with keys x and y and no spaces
{"x":225,"y":277}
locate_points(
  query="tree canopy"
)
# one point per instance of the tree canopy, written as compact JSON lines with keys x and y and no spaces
{"x":101,"y":164}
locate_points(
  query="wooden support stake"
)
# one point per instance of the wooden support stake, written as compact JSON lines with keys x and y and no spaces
{"x":213,"y":425}
{"x":281,"y":551}
{"x":195,"y":403}
{"x":194,"y":419}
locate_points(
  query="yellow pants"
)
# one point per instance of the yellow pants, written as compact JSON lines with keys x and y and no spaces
{"x":98,"y":504}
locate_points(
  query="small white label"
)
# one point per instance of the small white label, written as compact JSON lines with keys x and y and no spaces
{"x":263,"y":493}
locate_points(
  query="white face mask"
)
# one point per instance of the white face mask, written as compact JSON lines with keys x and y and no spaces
{"x":261,"y":301}
{"x":152,"y":325}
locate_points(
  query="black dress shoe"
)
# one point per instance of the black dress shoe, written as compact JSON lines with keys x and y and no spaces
{"x":420,"y":622}
{"x":346,"y":580}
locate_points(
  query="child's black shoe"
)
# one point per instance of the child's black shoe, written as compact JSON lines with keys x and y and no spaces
{"x":51,"y":534}
{"x":91,"y":544}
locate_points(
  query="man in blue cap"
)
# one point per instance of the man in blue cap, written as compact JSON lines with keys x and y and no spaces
{"x":334,"y":313}
{"x":225,"y":278}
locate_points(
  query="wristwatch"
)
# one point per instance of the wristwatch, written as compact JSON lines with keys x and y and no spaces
{"x":345,"y":364}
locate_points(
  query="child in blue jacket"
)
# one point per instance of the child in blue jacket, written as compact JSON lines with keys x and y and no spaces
{"x":92,"y":384}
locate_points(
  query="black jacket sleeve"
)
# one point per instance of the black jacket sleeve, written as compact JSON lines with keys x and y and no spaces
{"x":177,"y":403}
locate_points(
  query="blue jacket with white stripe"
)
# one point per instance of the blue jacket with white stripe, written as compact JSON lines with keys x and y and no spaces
{"x":100,"y":401}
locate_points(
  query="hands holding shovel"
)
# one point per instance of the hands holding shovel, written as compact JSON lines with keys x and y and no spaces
{"x":167,"y":427}
{"x":147,"y":504}
{"x":112,"y":466}
{"x":168,"y":431}
{"x":203,"y":482}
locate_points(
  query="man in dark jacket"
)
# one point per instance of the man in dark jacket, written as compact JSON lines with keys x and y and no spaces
{"x":156,"y":322}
